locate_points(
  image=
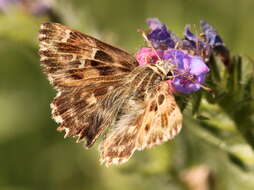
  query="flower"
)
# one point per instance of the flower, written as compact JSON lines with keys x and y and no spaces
{"x":211,"y":36}
{"x":160,"y":36}
{"x":147,"y":56}
{"x":154,"y":23}
{"x":189,"y":36}
{"x":190,"y":70}
{"x":195,"y":44}
{"x":216,"y":44}
{"x":186,"y":56}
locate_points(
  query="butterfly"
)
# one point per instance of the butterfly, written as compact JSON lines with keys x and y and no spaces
{"x":102,"y":90}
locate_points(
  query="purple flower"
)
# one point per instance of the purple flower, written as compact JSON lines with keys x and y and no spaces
{"x":215,"y":43}
{"x":190,"y":70}
{"x":160,"y":36}
{"x":154,"y":23}
{"x":187,"y":55}
{"x":195,"y":43}
{"x":189,"y":36}
{"x":211,"y":36}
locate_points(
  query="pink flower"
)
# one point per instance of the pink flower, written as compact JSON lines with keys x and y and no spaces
{"x":147,"y":56}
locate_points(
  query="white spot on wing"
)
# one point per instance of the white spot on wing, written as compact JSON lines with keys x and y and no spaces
{"x":83,"y":62}
{"x":66,"y":132}
{"x":50,"y":78}
{"x":58,"y":94}
{"x":41,"y":36}
{"x":92,"y":99}
{"x":58,"y":119}
{"x":94,"y":50}
{"x":74,"y":57}
{"x":67,"y":33}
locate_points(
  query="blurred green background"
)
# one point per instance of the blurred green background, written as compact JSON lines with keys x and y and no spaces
{"x":33,"y":155}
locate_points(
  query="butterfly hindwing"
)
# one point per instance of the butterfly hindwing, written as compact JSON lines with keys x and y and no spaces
{"x":152,"y":121}
{"x":85,"y":71}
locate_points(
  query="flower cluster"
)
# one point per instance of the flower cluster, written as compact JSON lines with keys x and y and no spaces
{"x":187,"y":55}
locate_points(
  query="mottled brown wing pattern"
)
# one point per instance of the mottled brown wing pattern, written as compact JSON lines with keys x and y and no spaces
{"x":73,"y":59}
{"x":100,"y":86}
{"x":84,"y":70}
{"x":150,"y":122}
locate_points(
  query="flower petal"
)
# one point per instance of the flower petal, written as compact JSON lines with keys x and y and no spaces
{"x":211,"y":35}
{"x":147,"y":55}
{"x":198,"y":66}
{"x":190,"y":70}
{"x":189,"y":35}
{"x":160,"y":36}
{"x":154,"y":23}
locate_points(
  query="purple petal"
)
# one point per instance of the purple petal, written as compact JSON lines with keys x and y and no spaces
{"x":182,"y":85}
{"x":201,"y":78}
{"x":193,"y":42}
{"x":160,"y":36}
{"x":198,"y":66}
{"x":193,"y":87}
{"x":189,"y":35}
{"x":154,"y":23}
{"x":187,"y":66}
{"x":177,"y":57}
{"x":211,"y":35}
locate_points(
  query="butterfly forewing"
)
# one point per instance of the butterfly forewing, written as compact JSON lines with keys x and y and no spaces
{"x":73,"y":59}
{"x":83,"y":70}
